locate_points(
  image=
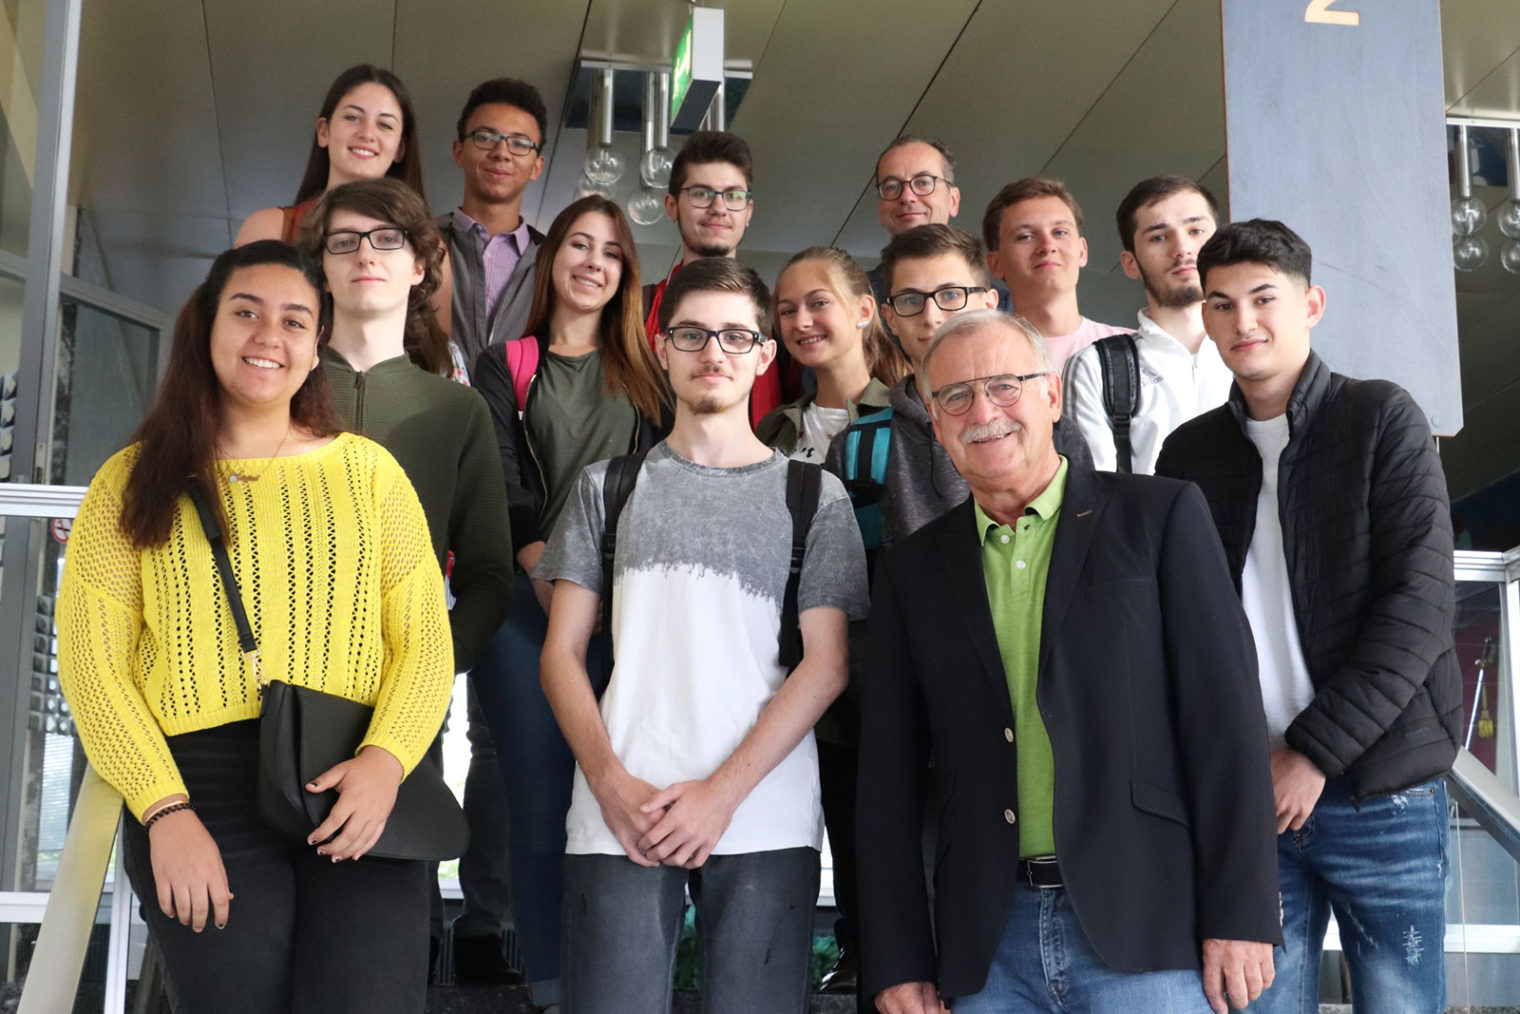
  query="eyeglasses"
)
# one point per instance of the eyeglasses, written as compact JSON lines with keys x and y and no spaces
{"x":516,"y":143}
{"x":346,"y":242}
{"x":923,"y":185}
{"x":1003,"y":390}
{"x":735,"y":341}
{"x":947,"y":297}
{"x":703,"y":197}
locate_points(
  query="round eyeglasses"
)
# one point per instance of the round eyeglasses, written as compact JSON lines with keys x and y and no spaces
{"x":347,"y":241}
{"x":922,"y":184}
{"x":947,"y":297}
{"x":735,"y":341}
{"x":1002,"y":390}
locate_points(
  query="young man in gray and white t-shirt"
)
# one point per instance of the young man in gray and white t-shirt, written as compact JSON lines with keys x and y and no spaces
{"x":698,"y":768}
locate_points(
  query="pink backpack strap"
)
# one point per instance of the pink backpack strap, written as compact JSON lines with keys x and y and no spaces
{"x":522,"y":363}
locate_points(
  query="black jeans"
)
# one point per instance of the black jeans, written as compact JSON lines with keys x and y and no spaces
{"x":303,"y":934}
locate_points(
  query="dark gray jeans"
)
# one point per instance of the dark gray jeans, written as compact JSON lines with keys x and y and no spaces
{"x":622,"y":923}
{"x":303,"y":934}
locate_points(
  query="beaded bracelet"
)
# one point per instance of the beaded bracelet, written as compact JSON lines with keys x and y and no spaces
{"x":165,"y":811}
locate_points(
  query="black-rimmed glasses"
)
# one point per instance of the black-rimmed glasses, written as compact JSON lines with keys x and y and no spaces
{"x":947,"y":297}
{"x":347,"y":241}
{"x":703,"y":197}
{"x":735,"y":341}
{"x":922,"y":184}
{"x":489,"y":139}
{"x":1002,"y":390}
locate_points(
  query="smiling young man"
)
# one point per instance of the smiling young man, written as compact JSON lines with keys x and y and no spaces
{"x":1018,"y":639}
{"x":499,"y":148}
{"x":698,"y":770}
{"x":1033,"y":232}
{"x":711,"y":200}
{"x":932,"y":273}
{"x":1331,"y":503}
{"x":1163,"y":222}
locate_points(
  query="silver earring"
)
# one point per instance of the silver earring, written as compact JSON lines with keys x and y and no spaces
{"x":862,"y":323}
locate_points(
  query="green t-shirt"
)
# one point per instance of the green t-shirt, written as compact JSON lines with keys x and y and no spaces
{"x":1015,"y":564}
{"x":574,"y":423}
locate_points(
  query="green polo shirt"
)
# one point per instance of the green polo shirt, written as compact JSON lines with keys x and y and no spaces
{"x":1015,"y":563}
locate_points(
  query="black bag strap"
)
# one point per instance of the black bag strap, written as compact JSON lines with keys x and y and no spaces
{"x":1119,"y":360}
{"x":246,"y":641}
{"x":803,"y":481}
{"x":617,"y":487}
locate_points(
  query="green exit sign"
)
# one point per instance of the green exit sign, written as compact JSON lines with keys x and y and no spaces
{"x":697,"y":70}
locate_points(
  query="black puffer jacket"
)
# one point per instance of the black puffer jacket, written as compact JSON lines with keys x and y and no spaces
{"x":1367,"y":534}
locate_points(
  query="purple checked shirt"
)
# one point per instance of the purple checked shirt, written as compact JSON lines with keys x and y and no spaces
{"x":499,"y":253}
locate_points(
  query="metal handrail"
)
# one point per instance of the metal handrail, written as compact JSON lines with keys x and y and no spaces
{"x":1491,"y":803}
{"x":53,"y":978}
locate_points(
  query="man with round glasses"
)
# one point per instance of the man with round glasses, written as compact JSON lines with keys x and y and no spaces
{"x":915,"y":185}
{"x":498,"y":145}
{"x":697,"y":770}
{"x":1067,"y":646}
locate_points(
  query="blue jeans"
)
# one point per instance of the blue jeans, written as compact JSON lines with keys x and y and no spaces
{"x":538,"y":768}
{"x":754,"y":931}
{"x":1044,"y":963}
{"x":1381,"y":868}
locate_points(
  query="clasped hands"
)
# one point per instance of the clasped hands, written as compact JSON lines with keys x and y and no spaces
{"x":676,"y":826}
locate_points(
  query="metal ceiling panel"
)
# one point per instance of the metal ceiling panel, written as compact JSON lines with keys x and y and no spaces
{"x":271,"y":65}
{"x":1476,"y":37}
{"x":821,"y":108}
{"x":1164,"y":113}
{"x":1013,"y":89}
{"x":1498,"y":94}
{"x":145,"y":131}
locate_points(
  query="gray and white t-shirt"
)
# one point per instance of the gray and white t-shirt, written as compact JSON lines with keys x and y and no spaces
{"x":701,"y":568}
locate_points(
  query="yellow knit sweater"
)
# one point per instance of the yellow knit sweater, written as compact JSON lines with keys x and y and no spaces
{"x":337,"y":573}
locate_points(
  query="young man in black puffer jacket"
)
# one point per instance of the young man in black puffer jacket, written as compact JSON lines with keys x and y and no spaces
{"x":1330,"y":500}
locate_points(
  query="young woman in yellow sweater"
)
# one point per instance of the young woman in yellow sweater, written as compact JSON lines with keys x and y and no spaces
{"x":331,"y":554}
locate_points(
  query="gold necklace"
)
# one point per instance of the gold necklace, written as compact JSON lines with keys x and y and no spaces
{"x":245,"y":477}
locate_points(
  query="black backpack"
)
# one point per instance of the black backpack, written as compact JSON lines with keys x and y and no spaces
{"x":1119,"y":360}
{"x":803,"y":481}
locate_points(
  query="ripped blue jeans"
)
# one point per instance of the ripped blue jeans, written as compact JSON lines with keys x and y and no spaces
{"x":1381,"y":868}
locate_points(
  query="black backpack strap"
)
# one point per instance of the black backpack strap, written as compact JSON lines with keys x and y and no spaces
{"x":1120,"y":361}
{"x":617,"y":487}
{"x":803,"y":482}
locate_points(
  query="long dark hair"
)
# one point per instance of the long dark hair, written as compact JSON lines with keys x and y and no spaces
{"x":393,"y":202}
{"x":408,"y":169}
{"x":179,"y":433}
{"x":629,"y":365}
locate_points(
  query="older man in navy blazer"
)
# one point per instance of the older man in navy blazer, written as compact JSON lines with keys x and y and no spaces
{"x":1068,"y":648}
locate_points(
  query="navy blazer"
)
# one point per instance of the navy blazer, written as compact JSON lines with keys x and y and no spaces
{"x":1164,"y":821}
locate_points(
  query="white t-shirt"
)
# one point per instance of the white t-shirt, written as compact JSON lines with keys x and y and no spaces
{"x":1175,"y":386}
{"x":702,"y":561}
{"x":819,"y":426}
{"x":1286,"y":688}
{"x":1063,"y":346}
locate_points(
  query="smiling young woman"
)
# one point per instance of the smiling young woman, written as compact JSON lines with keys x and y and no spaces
{"x":168,"y":710}
{"x":366,"y":129}
{"x":586,"y":387}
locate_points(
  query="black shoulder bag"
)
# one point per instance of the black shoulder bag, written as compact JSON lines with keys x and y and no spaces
{"x":303,"y":732}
